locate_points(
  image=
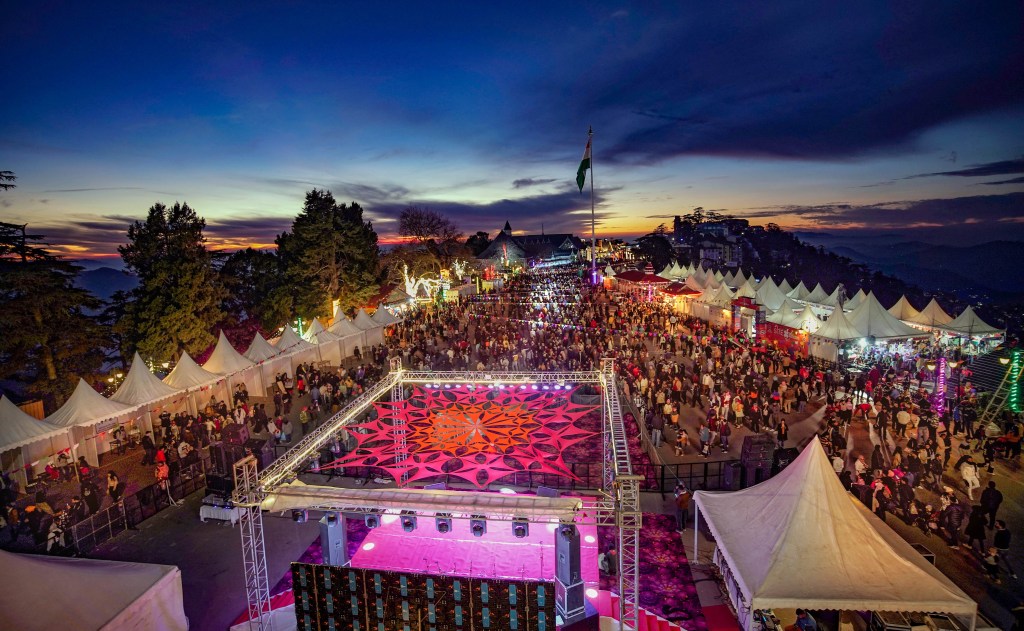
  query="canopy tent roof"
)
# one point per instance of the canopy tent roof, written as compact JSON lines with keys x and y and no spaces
{"x":693,"y":283}
{"x":679,"y":289}
{"x":932,"y":315}
{"x":968,"y":323}
{"x":317,"y":334}
{"x":785,"y":287}
{"x":722,"y":297}
{"x":667,"y":272}
{"x":141,"y":386}
{"x":45,"y":592}
{"x":18,"y":428}
{"x":609,"y":272}
{"x":746,"y":290}
{"x":86,"y":407}
{"x":677,"y":271}
{"x":855,"y":301}
{"x":780,"y":541}
{"x":740,"y":278}
{"x":903,"y":310}
{"x":808,"y":321}
{"x":290,"y":341}
{"x":384,"y":317}
{"x":188,"y":374}
{"x":837,"y":328}
{"x":343,"y":327}
{"x":225,"y":359}
{"x":833,"y":298}
{"x":364,"y":321}
{"x":872,"y":320}
{"x":260,"y":349}
{"x":818,"y":295}
{"x":785,"y":316}
{"x":729,"y":279}
{"x":719,"y":276}
{"x":770,"y":295}
{"x":799,"y":292}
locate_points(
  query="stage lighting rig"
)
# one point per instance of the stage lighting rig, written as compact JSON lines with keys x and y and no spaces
{"x":372,"y":520}
{"x":408,"y":520}
{"x":521,"y":527}
{"x":478,"y":525}
{"x":300,"y":516}
{"x":444,"y":522}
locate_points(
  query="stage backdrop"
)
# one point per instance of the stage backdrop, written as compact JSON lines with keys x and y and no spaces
{"x":349,"y":599}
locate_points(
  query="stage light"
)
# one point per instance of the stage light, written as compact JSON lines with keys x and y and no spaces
{"x":369,"y":546}
{"x":507,"y":491}
{"x":547,"y":387}
{"x":589,"y":539}
{"x":567,"y":530}
{"x":521,"y":528}
{"x":408,"y":521}
{"x":534,"y":386}
{"x":447,"y":386}
{"x":478,"y":525}
{"x":372,"y":520}
{"x":557,"y":387}
{"x":300,"y":516}
{"x":443,"y":522}
{"x":591,"y":592}
{"x":331,"y":517}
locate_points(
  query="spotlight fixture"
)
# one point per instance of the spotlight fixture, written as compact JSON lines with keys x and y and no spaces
{"x":331,"y":517}
{"x":372,"y":520}
{"x":408,"y":520}
{"x":1004,"y":360}
{"x":444,"y":522}
{"x":520,"y":528}
{"x":567,"y":530}
{"x":478,"y":525}
{"x":300,"y":516}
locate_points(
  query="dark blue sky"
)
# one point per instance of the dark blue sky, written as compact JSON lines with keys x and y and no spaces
{"x":878,"y":115}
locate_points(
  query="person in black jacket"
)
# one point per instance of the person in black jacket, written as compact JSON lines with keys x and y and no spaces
{"x":991,"y":499}
{"x":953,"y":520}
{"x":1001,"y":542}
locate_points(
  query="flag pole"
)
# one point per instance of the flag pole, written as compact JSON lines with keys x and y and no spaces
{"x":593,"y":223}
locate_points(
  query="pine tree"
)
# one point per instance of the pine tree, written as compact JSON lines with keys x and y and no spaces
{"x":49,"y":338}
{"x":330,"y":254}
{"x":257,"y":286}
{"x":177,"y":303}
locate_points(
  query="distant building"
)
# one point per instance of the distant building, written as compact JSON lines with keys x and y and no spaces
{"x":530,"y":250}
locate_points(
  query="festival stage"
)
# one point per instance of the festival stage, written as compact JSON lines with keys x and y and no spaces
{"x":497,"y":554}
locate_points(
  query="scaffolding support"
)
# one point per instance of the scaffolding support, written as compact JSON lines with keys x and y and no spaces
{"x":397,"y":395}
{"x":254,"y":557}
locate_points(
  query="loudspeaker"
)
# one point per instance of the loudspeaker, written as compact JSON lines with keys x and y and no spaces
{"x":543,"y":491}
{"x":567,"y":554}
{"x":262,"y":449}
{"x":732,"y":477}
{"x":235,"y":434}
{"x":223,"y":485}
{"x":333,"y":540}
{"x":225,"y":455}
{"x":569,"y":601}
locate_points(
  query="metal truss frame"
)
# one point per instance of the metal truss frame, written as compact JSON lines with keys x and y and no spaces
{"x":618,"y":505}
{"x":254,"y":557}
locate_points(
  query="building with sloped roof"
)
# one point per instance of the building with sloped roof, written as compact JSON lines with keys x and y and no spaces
{"x":530,"y":250}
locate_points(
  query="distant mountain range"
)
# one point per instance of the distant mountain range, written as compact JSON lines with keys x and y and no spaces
{"x":992,"y":268}
{"x":104,"y":281}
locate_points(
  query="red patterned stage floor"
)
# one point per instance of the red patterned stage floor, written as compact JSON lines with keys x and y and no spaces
{"x":497,"y":554}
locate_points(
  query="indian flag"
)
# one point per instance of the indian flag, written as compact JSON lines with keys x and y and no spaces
{"x":581,"y":173}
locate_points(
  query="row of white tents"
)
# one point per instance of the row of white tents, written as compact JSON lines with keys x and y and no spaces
{"x":83,"y":424}
{"x":817,"y":311}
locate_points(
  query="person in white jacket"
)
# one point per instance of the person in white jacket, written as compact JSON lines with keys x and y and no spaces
{"x":969,"y":473}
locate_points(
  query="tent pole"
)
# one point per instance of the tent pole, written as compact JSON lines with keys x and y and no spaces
{"x":974,"y":620}
{"x":696,"y":528}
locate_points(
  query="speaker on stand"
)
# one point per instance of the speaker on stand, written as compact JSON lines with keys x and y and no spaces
{"x":569,"y":591}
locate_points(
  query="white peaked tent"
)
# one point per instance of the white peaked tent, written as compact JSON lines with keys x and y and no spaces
{"x":800,"y":540}
{"x":719,"y":276}
{"x":785,"y":316}
{"x":45,"y":593}
{"x":871,"y":319}
{"x":678,"y":272}
{"x":260,"y":349}
{"x":188,"y":374}
{"x":729,"y":279}
{"x":799,"y":292}
{"x":968,"y":323}
{"x":384,"y":317}
{"x":374,"y":332}
{"x":82,"y":412}
{"x":932,"y":315}
{"x":818,"y":295}
{"x":808,"y":321}
{"x":225,"y":359}
{"x":608,"y":273}
{"x":27,"y":439}
{"x":836,"y":330}
{"x":143,"y":388}
{"x":694,"y":284}
{"x":352,"y":337}
{"x":770,"y":295}
{"x":903,"y":310}
{"x":785,"y":287}
{"x":290,"y":342}
{"x":746,"y":290}
{"x":740,"y":279}
{"x":191,"y":377}
{"x":667,"y":272}
{"x":833,"y":299}
{"x":329,"y":345}
{"x":855,"y":300}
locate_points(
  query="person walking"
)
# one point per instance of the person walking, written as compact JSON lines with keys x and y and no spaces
{"x":969,"y":473}
{"x":163,"y":480}
{"x":304,"y":417}
{"x":991,"y":499}
{"x":975,"y":530}
{"x":657,"y":428}
{"x":149,"y":449}
{"x":683,"y":496}
{"x":783,"y":433}
{"x":1001,"y":542}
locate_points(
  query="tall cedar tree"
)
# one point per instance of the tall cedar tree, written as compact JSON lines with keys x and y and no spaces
{"x":177,"y":303}
{"x":258,"y":289}
{"x":49,"y":339}
{"x":330,"y":254}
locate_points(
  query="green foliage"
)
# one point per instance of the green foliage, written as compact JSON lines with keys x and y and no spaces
{"x":478,"y":242}
{"x":656,"y":248}
{"x":330,"y":253}
{"x":257,"y":288}
{"x":177,"y":303}
{"x":49,"y":339}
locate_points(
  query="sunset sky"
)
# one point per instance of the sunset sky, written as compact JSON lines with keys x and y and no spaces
{"x":867,"y":116}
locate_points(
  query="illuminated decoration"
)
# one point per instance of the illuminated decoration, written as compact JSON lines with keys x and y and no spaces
{"x":478,"y":434}
{"x":939,"y":397}
{"x":1013,"y":401}
{"x":430,"y":284}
